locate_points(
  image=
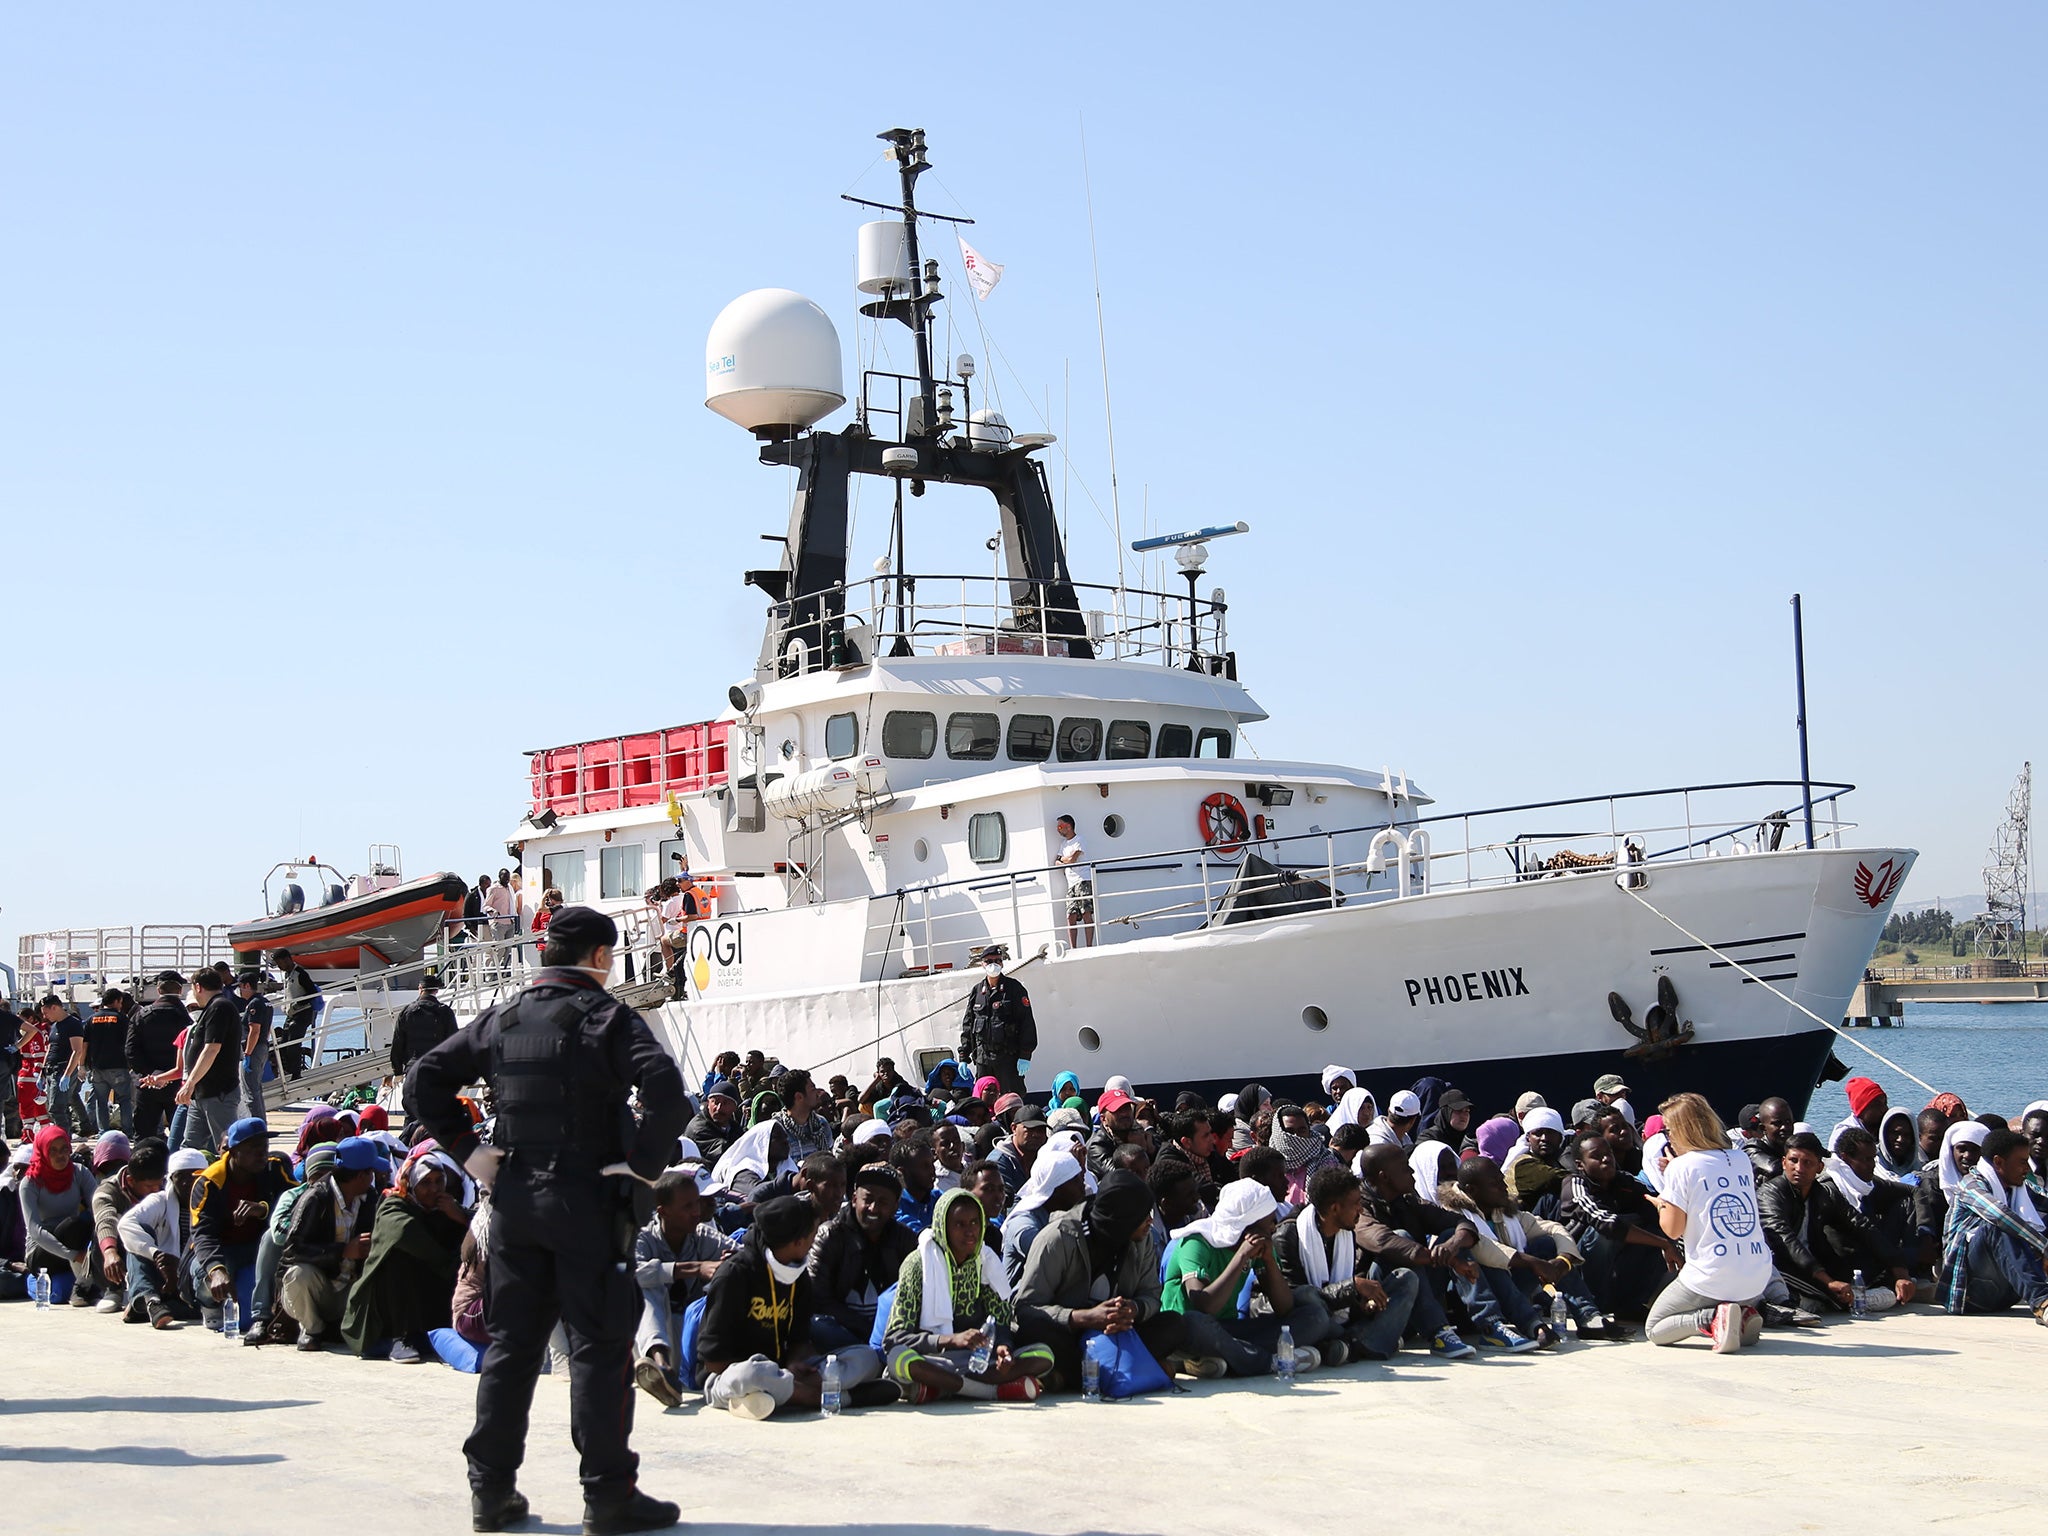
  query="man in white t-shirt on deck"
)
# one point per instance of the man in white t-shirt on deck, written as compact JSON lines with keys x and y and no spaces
{"x":1080,"y":885}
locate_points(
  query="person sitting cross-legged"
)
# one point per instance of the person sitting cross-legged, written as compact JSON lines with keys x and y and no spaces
{"x":856,"y":1257}
{"x":1369,"y":1306}
{"x":950,"y":1290}
{"x":1207,"y":1267}
{"x":1854,"y":1172}
{"x":1094,"y":1270}
{"x":675,"y":1257}
{"x":1993,"y":1248}
{"x":1520,"y":1252}
{"x":326,"y":1239}
{"x":154,"y":1236}
{"x":755,"y":1354}
{"x":1818,"y":1239}
{"x":1058,"y":1182}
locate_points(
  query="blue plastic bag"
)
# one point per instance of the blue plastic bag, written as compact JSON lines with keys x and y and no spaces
{"x":1128,"y":1369}
{"x":686,"y":1345}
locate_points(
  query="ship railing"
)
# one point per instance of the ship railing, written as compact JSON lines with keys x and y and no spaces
{"x":78,"y":963}
{"x":996,"y":614}
{"x":941,"y":925}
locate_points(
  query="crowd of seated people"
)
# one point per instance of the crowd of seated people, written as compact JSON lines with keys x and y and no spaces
{"x":901,"y":1241}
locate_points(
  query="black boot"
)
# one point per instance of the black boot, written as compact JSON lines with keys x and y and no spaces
{"x":635,"y":1512}
{"x":496,"y":1509}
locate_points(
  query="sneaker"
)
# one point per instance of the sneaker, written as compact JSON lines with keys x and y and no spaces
{"x":1506,"y":1336}
{"x":108,"y":1303}
{"x":873,"y":1394}
{"x":1335,"y":1352}
{"x":1201,"y":1367}
{"x":1307,"y":1359}
{"x":310,"y":1343}
{"x":1725,"y":1329}
{"x":1752,"y":1327}
{"x":80,"y":1299}
{"x":161,"y":1316}
{"x":1547,"y":1337}
{"x":403,"y":1353}
{"x":1024,"y":1389}
{"x":650,"y":1378}
{"x":748,"y":1405}
{"x":1448,"y":1346}
{"x":497,"y":1509}
{"x":635,"y":1512}
{"x":1594,"y":1328}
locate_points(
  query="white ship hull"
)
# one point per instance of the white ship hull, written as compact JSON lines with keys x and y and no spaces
{"x":1210,"y":1009}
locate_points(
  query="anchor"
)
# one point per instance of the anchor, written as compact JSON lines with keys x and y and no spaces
{"x":1661,"y":1033}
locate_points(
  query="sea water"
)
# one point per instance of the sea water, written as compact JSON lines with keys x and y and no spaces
{"x":1990,"y":1055}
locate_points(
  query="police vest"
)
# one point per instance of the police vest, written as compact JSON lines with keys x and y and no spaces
{"x":992,"y":1015}
{"x":556,"y":1109}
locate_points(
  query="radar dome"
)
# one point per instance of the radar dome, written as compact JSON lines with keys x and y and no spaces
{"x":771,"y":363}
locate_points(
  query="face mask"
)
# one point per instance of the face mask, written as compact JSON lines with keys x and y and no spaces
{"x":601,"y":974}
{"x":992,"y":972}
{"x":785,"y":1274}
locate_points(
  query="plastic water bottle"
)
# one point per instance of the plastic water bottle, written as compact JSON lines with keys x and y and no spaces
{"x":1283,"y":1357}
{"x":829,"y":1396}
{"x":42,"y":1290}
{"x":1091,"y":1375}
{"x":1560,"y":1314}
{"x":230,"y":1321}
{"x":977,"y":1363}
{"x":1859,"y":1297}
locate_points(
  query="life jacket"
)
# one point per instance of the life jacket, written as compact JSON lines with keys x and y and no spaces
{"x":700,"y":895}
{"x":557,"y":1107}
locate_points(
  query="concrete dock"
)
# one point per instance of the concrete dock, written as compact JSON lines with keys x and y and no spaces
{"x":1891,"y":1424}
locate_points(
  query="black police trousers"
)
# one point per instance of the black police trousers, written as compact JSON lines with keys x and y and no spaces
{"x":551,"y":1257}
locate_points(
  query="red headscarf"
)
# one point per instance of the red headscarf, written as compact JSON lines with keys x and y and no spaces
{"x":55,"y":1180}
{"x":372,"y":1117}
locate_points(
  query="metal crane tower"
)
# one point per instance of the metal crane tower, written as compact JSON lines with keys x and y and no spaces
{"x":2002,"y":931}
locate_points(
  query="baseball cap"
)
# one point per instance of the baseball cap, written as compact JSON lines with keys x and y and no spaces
{"x":248,"y":978}
{"x":169,"y":979}
{"x":1028,"y":1114}
{"x":1610,"y":1082}
{"x":359,"y":1154}
{"x":1404,"y":1103}
{"x":1111,"y":1101}
{"x":247,"y":1129}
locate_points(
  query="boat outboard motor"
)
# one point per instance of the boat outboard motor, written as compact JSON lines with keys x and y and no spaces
{"x":293,"y":900}
{"x":335,"y":893}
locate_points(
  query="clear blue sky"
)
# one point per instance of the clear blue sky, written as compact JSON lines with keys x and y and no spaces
{"x":351,"y":435}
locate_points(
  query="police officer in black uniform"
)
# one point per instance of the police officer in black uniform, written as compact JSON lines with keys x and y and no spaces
{"x":560,"y":1058}
{"x":998,"y":1031}
{"x":421,"y":1025}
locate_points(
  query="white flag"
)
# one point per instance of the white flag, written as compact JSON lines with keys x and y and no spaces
{"x":981,"y":272}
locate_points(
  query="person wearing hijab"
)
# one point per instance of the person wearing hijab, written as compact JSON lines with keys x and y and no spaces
{"x":56,"y":1213}
{"x":943,"y":1083}
{"x":1058,"y":1182}
{"x":755,"y":1353}
{"x":1534,"y":1175}
{"x":948,"y":1292}
{"x":1302,"y":1149}
{"x":1961,"y":1145}
{"x":406,"y":1288}
{"x":1207,"y":1265}
{"x":320,"y":1125}
{"x":1356,"y":1107}
{"x":761,"y":1153}
{"x":1898,"y":1151}
{"x":1994,"y":1247}
{"x":1094,"y":1269}
{"x":1497,"y":1137}
{"x":1451,"y":1124}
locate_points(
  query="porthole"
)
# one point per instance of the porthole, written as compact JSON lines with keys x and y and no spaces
{"x":1315,"y":1018}
{"x":1113,"y":825}
{"x":920,"y":850}
{"x":1090,"y":1041}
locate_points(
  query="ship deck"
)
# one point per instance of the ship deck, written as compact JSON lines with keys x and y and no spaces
{"x":1855,"y":1424}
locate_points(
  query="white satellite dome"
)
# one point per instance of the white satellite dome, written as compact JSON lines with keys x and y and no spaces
{"x":771,"y":363}
{"x":988,"y":432}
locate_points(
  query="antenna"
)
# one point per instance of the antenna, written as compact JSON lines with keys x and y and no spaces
{"x":1102,"y":347}
{"x":2002,"y":932}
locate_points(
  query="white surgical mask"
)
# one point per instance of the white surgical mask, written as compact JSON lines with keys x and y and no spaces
{"x":602,"y":974}
{"x":991,"y":971}
{"x":785,"y":1274}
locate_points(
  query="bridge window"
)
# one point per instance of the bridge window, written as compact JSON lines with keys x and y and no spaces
{"x":909,"y":733}
{"x":1214,"y":743}
{"x":972,"y":736}
{"x":1129,"y":738}
{"x":842,"y":736}
{"x":1030,"y":738}
{"x":1176,"y":741}
{"x":664,"y":858}
{"x":987,"y":838}
{"x":618,"y":871}
{"x":1080,"y":740}
{"x":564,"y":871}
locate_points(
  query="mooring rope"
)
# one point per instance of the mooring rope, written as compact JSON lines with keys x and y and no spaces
{"x":1729,"y":959}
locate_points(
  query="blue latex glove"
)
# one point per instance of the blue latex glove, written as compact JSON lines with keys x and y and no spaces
{"x":1023,"y":1066}
{"x":66,"y":1084}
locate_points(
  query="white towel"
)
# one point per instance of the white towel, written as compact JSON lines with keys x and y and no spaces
{"x":1314,"y":1260}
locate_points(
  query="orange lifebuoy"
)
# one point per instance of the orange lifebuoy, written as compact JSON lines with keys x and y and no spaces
{"x":1223,"y":822}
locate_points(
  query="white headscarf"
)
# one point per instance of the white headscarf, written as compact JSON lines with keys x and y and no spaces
{"x":1848,"y":1181}
{"x":1427,"y":1160}
{"x":1055,"y":1166}
{"x":1332,"y":1073}
{"x":749,"y":1154}
{"x":1351,"y":1110}
{"x":2018,"y":1201}
{"x":1654,"y":1148}
{"x":1122,"y":1084}
{"x":870,"y":1130}
{"x":1238,"y":1204}
{"x":1540,"y":1118}
{"x":1972,"y":1131}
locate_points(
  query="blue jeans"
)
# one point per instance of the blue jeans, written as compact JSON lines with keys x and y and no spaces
{"x":175,"y":1137}
{"x":829,"y":1334}
{"x":1578,"y":1299}
{"x":144,"y":1282}
{"x":1246,"y":1344}
{"x":2004,"y":1270}
{"x":1621,"y":1276}
{"x":269,"y":1254}
{"x":1377,"y":1336}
